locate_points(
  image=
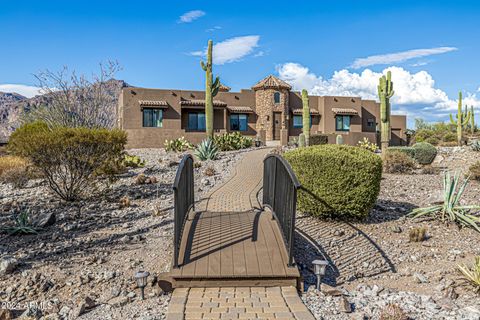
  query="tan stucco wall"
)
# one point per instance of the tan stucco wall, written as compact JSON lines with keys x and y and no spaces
{"x":261,"y":102}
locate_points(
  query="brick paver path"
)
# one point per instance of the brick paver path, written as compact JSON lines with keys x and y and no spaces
{"x":238,"y":194}
{"x":237,"y":303}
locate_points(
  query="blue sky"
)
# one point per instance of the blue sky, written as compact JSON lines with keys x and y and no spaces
{"x":327,"y":47}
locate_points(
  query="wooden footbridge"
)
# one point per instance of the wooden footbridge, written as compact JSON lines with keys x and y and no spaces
{"x":236,"y":248}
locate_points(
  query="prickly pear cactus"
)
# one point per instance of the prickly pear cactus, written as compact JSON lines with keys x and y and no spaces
{"x":211,"y":90}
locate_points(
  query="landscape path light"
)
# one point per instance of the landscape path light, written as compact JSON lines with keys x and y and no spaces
{"x":319,"y":268}
{"x":141,"y":278}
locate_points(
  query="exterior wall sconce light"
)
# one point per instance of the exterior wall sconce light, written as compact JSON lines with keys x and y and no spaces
{"x":141,"y":278}
{"x":319,"y":268}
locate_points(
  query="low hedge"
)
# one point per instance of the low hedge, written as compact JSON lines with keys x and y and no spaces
{"x":340,"y":181}
{"x":318,"y":139}
{"x":407,"y":150}
{"x":425,"y":153}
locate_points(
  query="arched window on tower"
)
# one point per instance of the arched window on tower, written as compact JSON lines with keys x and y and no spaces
{"x":276,"y":97}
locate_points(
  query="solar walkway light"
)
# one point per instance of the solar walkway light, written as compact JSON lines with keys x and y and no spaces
{"x":141,"y":278}
{"x":319,"y":268}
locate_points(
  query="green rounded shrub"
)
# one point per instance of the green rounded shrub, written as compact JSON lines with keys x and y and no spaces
{"x":425,"y":153}
{"x":340,"y":181}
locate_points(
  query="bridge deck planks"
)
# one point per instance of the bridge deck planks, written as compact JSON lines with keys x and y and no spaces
{"x":240,"y":245}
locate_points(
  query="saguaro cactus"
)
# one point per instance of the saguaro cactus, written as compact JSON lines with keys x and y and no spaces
{"x":385,"y":92}
{"x":306,"y":117}
{"x":211,"y":90}
{"x":462,"y":119}
{"x":472,"y":120}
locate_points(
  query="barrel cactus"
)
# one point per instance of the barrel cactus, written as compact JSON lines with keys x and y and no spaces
{"x":339,"y":139}
{"x":301,"y":140}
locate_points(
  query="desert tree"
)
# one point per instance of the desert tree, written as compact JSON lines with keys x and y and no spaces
{"x":73,"y":100}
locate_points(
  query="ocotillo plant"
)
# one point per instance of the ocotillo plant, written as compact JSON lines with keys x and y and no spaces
{"x":385,"y":92}
{"x":306,"y":117}
{"x":472,"y":119}
{"x":462,"y":119}
{"x":211,"y":90}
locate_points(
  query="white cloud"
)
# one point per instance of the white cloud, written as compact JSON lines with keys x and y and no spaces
{"x":213,"y":29}
{"x":419,"y":64}
{"x":415,"y":93}
{"x":24,"y":90}
{"x":397,"y":57}
{"x":190,"y":16}
{"x":231,"y":50}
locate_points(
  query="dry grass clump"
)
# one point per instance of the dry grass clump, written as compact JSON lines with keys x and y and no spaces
{"x":393,"y":312}
{"x":124,"y":202}
{"x":398,"y":162}
{"x":14,"y":170}
{"x":209,"y":171}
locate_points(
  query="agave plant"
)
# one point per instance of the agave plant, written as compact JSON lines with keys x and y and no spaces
{"x":21,"y":225}
{"x":451,"y":209}
{"x":207,"y":150}
{"x":472,"y":275}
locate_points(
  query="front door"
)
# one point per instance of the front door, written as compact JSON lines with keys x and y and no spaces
{"x":277,"y":125}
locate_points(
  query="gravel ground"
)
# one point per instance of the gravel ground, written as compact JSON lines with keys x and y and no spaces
{"x":421,"y":277}
{"x":84,"y":263}
{"x":88,"y":257}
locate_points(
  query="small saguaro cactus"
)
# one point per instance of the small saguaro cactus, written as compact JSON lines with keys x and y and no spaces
{"x":306,"y":117}
{"x":339,"y":139}
{"x":385,"y":92}
{"x":462,"y":119}
{"x":211,"y":90}
{"x":472,"y":120}
{"x":301,"y":140}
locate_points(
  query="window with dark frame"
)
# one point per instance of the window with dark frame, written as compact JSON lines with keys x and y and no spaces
{"x":298,"y":121}
{"x":342,"y":123}
{"x":239,"y":122}
{"x":276,"y":97}
{"x":152,"y":118}
{"x":371,"y":123}
{"x":196,"y":121}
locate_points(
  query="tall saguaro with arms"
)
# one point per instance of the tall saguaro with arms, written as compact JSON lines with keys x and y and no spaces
{"x":211,"y":90}
{"x":385,"y":92}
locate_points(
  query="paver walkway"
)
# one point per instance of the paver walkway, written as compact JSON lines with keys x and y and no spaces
{"x":238,"y":194}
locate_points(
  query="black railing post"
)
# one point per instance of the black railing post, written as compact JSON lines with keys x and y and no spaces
{"x":280,"y":187}
{"x":184,"y":201}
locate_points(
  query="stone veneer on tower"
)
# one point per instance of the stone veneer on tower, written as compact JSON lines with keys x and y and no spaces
{"x":265,"y":106}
